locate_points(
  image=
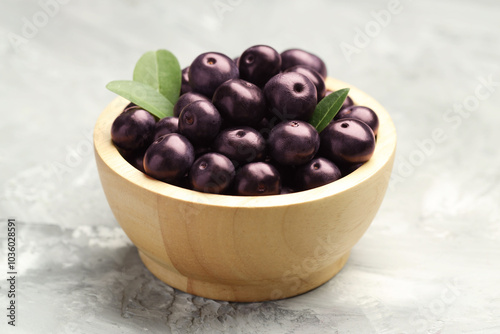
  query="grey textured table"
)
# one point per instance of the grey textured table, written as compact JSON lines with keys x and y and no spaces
{"x":430,"y":262}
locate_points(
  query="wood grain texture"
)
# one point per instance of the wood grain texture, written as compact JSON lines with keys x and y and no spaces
{"x":239,"y":248}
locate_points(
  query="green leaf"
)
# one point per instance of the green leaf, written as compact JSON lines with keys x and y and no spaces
{"x":144,"y":96}
{"x":327,"y":108}
{"x":160,"y":70}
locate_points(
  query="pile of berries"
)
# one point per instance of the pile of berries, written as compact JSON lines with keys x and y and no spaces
{"x":240,"y":127}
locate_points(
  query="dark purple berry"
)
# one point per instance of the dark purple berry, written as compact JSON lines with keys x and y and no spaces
{"x":257,"y":179}
{"x":200,"y":122}
{"x":211,"y":173}
{"x":312,"y":75}
{"x":293,"y":142}
{"x":265,"y":125}
{"x":209,"y":70}
{"x":291,"y":96}
{"x":293,"y":57}
{"x":165,"y":126}
{"x":186,"y":99}
{"x":133,"y":129}
{"x":348,"y":169}
{"x":347,"y":102}
{"x":316,"y":173}
{"x":347,"y":141}
{"x":361,"y":113}
{"x":240,"y":102}
{"x":135,"y":158}
{"x":241,"y":144}
{"x":185,"y":87}
{"x":259,"y":63}
{"x":169,"y":157}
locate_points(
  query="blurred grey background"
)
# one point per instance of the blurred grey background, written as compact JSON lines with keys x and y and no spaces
{"x":428,"y":264}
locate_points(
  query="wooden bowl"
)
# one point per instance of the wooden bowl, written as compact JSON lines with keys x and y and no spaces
{"x":239,"y":248}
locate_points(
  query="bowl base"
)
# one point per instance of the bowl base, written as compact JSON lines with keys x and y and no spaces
{"x":232,"y":291}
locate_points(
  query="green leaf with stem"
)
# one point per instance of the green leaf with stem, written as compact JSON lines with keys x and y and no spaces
{"x":144,"y":96}
{"x":327,"y":108}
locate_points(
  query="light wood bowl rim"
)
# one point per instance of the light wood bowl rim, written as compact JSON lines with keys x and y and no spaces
{"x":385,"y":147}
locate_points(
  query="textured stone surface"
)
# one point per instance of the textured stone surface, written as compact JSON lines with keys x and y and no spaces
{"x":428,"y":264}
